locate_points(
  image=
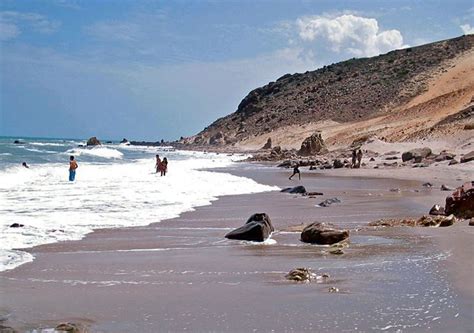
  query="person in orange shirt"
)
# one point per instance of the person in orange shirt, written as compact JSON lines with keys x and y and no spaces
{"x":72,"y":168}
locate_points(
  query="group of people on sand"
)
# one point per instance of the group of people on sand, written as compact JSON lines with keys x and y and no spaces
{"x":161,"y":165}
{"x":356,"y":161}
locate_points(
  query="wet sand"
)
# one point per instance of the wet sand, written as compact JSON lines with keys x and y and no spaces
{"x":183,"y":275}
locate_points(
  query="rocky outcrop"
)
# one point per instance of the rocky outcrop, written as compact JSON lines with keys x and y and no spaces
{"x":300,"y":275}
{"x":93,"y":141}
{"x":323,"y":233}
{"x":424,"y":221}
{"x":257,"y":228}
{"x":461,"y":202}
{"x":268,"y":144}
{"x":313,"y":145}
{"x":468,"y":157}
{"x":416,"y":154}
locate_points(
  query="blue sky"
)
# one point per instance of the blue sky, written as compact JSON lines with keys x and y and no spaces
{"x":165,"y":69}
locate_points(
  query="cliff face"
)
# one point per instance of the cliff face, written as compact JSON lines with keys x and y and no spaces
{"x":351,"y":91}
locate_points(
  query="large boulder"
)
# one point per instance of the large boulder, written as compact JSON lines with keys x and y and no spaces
{"x":337,"y":163}
{"x":416,"y":154}
{"x":461,"y":201}
{"x":297,"y":189}
{"x":468,"y":157}
{"x":323,"y":233}
{"x":268,"y":144}
{"x":313,"y":145}
{"x":257,"y":228}
{"x":93,"y":141}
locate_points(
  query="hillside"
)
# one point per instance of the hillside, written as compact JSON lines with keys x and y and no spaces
{"x":402,"y":95}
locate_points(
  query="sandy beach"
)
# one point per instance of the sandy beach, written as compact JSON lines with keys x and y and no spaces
{"x":183,"y":275}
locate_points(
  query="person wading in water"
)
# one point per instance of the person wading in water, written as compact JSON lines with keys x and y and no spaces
{"x":296,"y":170}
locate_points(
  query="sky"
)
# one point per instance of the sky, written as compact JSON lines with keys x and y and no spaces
{"x":149,"y":70}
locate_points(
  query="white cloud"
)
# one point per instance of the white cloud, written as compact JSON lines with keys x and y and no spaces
{"x":11,"y":21}
{"x":357,"y":35}
{"x":114,"y":30}
{"x":467,"y":29}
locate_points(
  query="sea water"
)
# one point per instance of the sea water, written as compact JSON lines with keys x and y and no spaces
{"x":116,"y":186}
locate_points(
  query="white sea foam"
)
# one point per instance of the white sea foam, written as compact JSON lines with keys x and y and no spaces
{"x":53,"y":209}
{"x":103,"y":152}
{"x":54,"y":144}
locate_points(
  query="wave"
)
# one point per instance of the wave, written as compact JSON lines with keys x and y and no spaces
{"x":97,"y":152}
{"x":54,"y":144}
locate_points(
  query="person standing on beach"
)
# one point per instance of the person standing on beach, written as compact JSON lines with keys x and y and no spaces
{"x":354,"y":158}
{"x":72,"y":168}
{"x":296,"y":170}
{"x":359,"y":158}
{"x":158,"y":164}
{"x":164,"y":166}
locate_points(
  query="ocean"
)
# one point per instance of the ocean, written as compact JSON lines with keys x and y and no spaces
{"x":116,"y":186}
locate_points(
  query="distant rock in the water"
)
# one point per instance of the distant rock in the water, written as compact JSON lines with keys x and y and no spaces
{"x":297,"y":189}
{"x":329,"y":202}
{"x":124,"y":140}
{"x":416,"y":154}
{"x":313,"y":145}
{"x":257,"y":228}
{"x":468,"y":157}
{"x":323,"y":233}
{"x":301,"y":274}
{"x":268,"y":144}
{"x":16,"y":225}
{"x":93,"y":141}
{"x":17,"y":142}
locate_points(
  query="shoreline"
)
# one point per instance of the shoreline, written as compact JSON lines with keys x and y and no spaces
{"x":202,"y":230}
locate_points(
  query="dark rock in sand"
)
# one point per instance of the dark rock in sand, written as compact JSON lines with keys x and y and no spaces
{"x":297,"y":189}
{"x":16,"y":225}
{"x":391,"y":158}
{"x":338,"y":164}
{"x":417,"y":154}
{"x":468,"y":157}
{"x":311,"y":194}
{"x":257,"y":228}
{"x":446,"y":188}
{"x":427,"y":184}
{"x":268,"y":144}
{"x":461,"y":201}
{"x":453,"y":162}
{"x":329,"y":202}
{"x":313,"y":145}
{"x":437,"y":210}
{"x":93,"y":141}
{"x":322,"y":233}
{"x":300,"y":275}
{"x":443,"y":156}
{"x":372,"y":159}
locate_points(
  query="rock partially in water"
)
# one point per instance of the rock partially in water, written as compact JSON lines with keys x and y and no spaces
{"x":257,"y":228}
{"x":301,"y":274}
{"x":297,"y":189}
{"x":16,"y":225}
{"x":446,"y":188}
{"x":93,"y":141}
{"x":329,"y":202}
{"x":323,"y":233}
{"x":71,"y":328}
{"x":427,"y":184}
{"x":336,"y":251}
{"x":333,"y":290}
{"x":437,"y":210}
{"x":461,"y":202}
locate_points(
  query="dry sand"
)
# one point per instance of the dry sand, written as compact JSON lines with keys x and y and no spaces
{"x":183,"y":275}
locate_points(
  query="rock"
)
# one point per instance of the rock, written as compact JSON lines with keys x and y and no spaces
{"x":257,"y":228}
{"x":437,"y":210}
{"x":461,"y":202}
{"x":124,"y":140}
{"x":336,"y":251}
{"x":93,"y":141}
{"x":16,"y":225}
{"x":333,"y":290}
{"x":268,"y":144}
{"x":414,"y":153}
{"x":71,"y":328}
{"x":313,"y":145}
{"x":313,"y":194}
{"x":393,"y":223}
{"x":276,"y":151}
{"x":329,"y":202}
{"x":372,"y":159}
{"x":391,"y":158}
{"x":427,"y":184}
{"x":471,"y":222}
{"x":286,"y":164}
{"x":468,"y":157}
{"x":322,"y":233}
{"x":7,"y":329}
{"x":446,"y":188}
{"x":338,"y":164}
{"x":395,"y":190}
{"x":453,"y":162}
{"x":447,"y":221}
{"x":297,"y":189}
{"x":17,"y":142}
{"x":217,"y":139}
{"x":300,"y":275}
{"x":440,"y":221}
{"x":443,"y":156}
